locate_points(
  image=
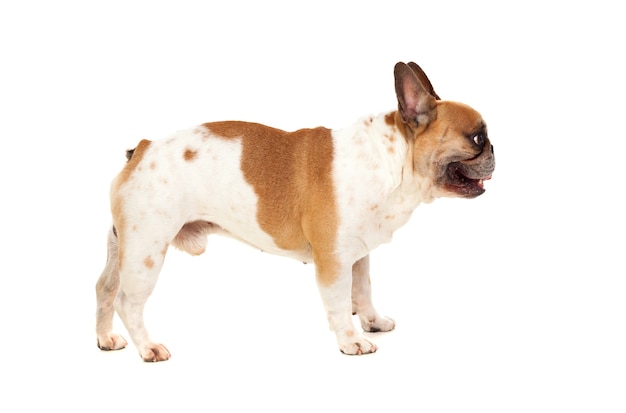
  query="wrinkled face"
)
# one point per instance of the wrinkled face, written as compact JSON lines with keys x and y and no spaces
{"x":455,"y":152}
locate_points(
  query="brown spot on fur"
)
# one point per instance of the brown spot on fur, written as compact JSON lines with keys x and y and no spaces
{"x":164,"y":250}
{"x":190,"y":155}
{"x":148,"y":262}
{"x":390,"y":119}
{"x":291,"y":173}
{"x":153,"y":165}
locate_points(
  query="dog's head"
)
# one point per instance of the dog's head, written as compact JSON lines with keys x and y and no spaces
{"x":450,"y":143}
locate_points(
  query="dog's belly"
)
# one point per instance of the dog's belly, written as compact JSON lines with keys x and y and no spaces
{"x":252,"y":235}
{"x":261,"y":242}
{"x":217,"y":192}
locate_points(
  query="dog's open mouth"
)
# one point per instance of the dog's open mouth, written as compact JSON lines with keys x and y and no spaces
{"x":459,"y":181}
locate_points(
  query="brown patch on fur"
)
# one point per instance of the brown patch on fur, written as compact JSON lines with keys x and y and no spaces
{"x":441,"y":136}
{"x":394,"y":119}
{"x":453,"y":120}
{"x":119,"y":220}
{"x":131,"y":165}
{"x":148,"y":262}
{"x":390,"y":119}
{"x":190,"y":155}
{"x":291,"y":173}
{"x":459,"y":116}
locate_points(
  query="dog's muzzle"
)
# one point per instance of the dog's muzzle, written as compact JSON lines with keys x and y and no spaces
{"x":466,"y":178}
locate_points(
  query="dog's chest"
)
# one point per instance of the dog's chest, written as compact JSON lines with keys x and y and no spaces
{"x":375,"y":219}
{"x":374,"y":199}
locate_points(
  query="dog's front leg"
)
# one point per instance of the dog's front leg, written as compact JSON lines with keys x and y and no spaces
{"x":335,"y":285}
{"x":362,"y":299}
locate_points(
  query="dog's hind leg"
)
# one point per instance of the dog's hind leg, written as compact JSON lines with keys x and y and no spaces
{"x":142,"y":254}
{"x":362,"y":299}
{"x":106,"y":292}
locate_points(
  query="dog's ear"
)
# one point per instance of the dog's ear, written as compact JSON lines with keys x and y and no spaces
{"x":423,"y":78}
{"x":415,"y":103}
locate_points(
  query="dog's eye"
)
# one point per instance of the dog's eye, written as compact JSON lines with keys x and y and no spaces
{"x":479,"y":139}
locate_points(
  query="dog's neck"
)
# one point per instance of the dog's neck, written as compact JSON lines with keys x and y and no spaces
{"x":388,"y":147}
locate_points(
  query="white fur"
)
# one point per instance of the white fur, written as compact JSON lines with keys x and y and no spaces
{"x":211,"y":188}
{"x":376,"y":191}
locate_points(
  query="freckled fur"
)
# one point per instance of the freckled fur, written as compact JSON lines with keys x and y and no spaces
{"x":315,"y":195}
{"x":134,"y":159}
{"x":190,"y":155}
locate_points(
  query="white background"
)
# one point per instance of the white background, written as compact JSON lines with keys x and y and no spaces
{"x":512,"y":302}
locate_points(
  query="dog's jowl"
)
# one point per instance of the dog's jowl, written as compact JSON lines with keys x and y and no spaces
{"x":317,"y":195}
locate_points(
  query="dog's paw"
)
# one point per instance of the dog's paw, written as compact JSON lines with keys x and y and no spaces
{"x":378,"y":324}
{"x":111,"y":341}
{"x":357,"y":346}
{"x":155,"y":352}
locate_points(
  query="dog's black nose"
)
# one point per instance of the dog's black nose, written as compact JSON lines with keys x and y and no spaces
{"x":492,"y":150}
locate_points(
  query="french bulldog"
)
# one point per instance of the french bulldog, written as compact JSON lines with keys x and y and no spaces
{"x":320,"y":196}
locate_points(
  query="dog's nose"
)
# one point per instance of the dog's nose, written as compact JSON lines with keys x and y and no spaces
{"x":492,"y":150}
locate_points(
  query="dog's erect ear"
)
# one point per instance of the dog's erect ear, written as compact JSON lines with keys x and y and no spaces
{"x":423,"y":78}
{"x":415,"y":103}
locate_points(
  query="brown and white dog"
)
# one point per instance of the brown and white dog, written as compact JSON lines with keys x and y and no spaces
{"x":316,"y":195}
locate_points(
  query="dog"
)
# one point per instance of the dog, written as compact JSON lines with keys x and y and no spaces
{"x":317,"y":195}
